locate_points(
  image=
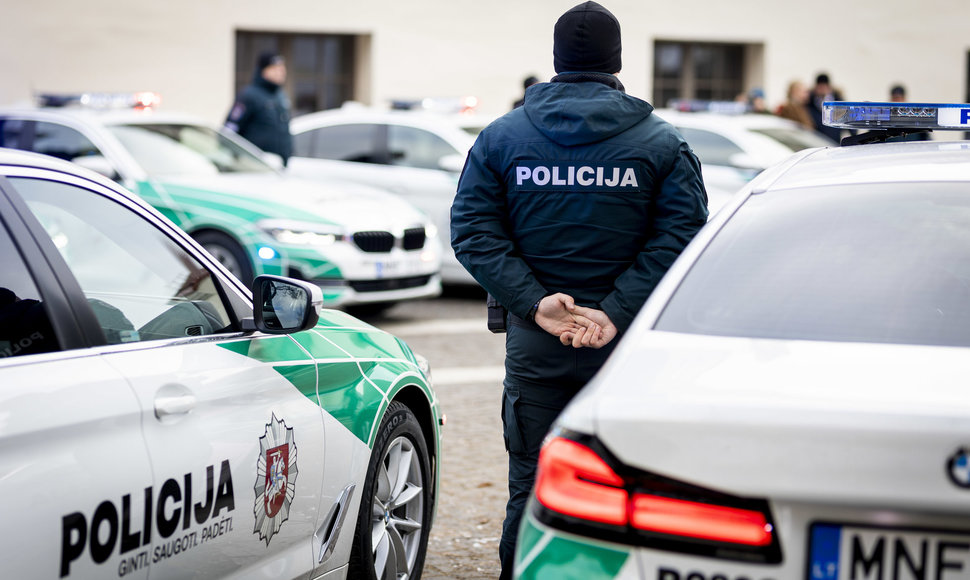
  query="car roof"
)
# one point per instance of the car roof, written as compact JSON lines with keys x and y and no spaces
{"x":722,"y":120}
{"x":447,"y":125}
{"x":22,"y":158}
{"x":922,"y":161}
{"x":103,"y":117}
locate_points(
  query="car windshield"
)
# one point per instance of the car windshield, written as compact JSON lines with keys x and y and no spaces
{"x":795,"y":139}
{"x":185,"y":150}
{"x":886,"y":263}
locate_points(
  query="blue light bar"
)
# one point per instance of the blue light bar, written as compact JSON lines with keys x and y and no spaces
{"x":872,"y":115}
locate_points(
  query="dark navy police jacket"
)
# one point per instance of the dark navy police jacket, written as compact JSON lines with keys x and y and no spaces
{"x":581,"y":191}
{"x":261,"y":115}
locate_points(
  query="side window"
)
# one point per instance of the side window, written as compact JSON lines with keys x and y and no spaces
{"x":710,"y":148}
{"x":60,"y":141}
{"x":303,"y":144}
{"x":140,"y":284}
{"x":412,"y":147}
{"x":11,"y":131}
{"x":24,"y":325}
{"x":357,"y":142}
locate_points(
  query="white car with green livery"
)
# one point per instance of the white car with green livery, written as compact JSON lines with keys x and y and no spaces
{"x":159,"y":420}
{"x":363,"y":246}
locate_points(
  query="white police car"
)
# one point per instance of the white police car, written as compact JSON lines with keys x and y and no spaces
{"x":363,"y":246}
{"x":791,"y":403}
{"x":415,"y":154}
{"x":734,"y":145}
{"x":157,"y":420}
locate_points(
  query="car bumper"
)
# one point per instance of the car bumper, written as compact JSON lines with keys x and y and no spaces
{"x":546,"y":553}
{"x":338,"y":293}
{"x":349,"y":276}
{"x":543,"y":552}
{"x":884,"y":540}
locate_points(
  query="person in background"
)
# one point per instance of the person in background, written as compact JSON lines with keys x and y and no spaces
{"x":756,"y":101}
{"x":822,"y":92}
{"x":568,"y":212}
{"x":528,"y":82}
{"x":261,"y":112}
{"x":795,"y":107}
{"x":897,"y":94}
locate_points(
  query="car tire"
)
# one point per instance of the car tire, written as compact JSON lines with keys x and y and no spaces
{"x":394,"y":520}
{"x":229,"y":253}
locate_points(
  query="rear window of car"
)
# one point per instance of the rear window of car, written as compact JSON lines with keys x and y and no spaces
{"x":886,"y":263}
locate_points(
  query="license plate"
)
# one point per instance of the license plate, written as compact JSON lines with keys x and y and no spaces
{"x":847,"y":552}
{"x":399,"y":268}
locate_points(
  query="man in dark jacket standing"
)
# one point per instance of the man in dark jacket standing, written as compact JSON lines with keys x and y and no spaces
{"x":261,"y":113}
{"x":568,"y":211}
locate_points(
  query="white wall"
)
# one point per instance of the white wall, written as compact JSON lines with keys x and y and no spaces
{"x":184,"y":49}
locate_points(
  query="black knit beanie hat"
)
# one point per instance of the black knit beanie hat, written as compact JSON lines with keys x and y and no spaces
{"x":587,"y":39}
{"x":268,"y":58}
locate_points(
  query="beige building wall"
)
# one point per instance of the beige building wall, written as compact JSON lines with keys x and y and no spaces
{"x":184,"y":49}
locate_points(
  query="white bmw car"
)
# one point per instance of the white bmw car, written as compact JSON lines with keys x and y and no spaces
{"x":158,"y":420}
{"x":792,"y":401}
{"x":365,"y":248}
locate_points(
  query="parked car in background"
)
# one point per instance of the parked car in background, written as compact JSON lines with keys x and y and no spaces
{"x":159,"y":420}
{"x":791,"y":402}
{"x":417,"y":155}
{"x":364,"y":247}
{"x":733,"y":147}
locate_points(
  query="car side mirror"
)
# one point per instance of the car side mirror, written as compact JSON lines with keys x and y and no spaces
{"x":98,"y":164}
{"x":452,"y":163}
{"x":284,"y":305}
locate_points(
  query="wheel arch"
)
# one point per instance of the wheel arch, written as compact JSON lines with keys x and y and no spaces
{"x":253,"y":263}
{"x":214,"y":229}
{"x":417,"y":401}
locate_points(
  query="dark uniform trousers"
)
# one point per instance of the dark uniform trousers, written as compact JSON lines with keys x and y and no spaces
{"x":541,"y":377}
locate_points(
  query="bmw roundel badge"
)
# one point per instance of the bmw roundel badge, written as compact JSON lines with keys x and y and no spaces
{"x":958,"y":467}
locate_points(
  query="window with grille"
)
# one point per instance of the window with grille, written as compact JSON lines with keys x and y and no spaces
{"x":320,"y":67}
{"x":697,"y":70}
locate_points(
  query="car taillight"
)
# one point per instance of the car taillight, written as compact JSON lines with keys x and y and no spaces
{"x":700,"y":520}
{"x":579,"y":487}
{"x":573,"y":480}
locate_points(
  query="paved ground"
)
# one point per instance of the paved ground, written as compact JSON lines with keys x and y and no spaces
{"x":466,"y":362}
{"x":464,"y":540}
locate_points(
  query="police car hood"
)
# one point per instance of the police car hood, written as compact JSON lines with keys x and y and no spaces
{"x":582,"y":113}
{"x":353,"y":205}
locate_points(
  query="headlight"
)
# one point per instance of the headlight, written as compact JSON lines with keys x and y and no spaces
{"x":302,"y":233}
{"x":430,"y":230}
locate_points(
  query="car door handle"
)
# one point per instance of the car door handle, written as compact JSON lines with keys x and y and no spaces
{"x":173,"y":400}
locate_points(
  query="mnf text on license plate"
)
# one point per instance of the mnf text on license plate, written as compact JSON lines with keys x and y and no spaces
{"x":847,"y":552}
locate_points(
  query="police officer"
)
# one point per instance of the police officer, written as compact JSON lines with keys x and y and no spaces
{"x":261,"y":113}
{"x":568,"y":211}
